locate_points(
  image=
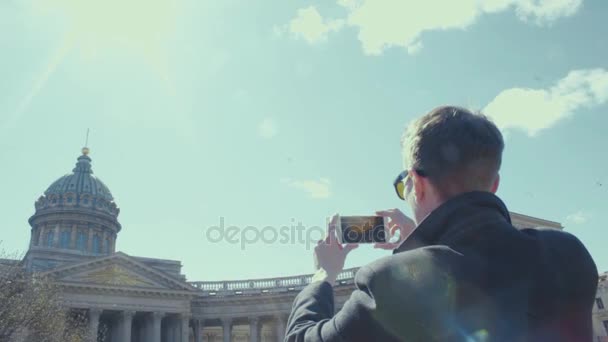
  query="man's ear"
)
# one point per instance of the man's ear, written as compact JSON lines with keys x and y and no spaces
{"x":495,"y":185}
{"x":420,"y":185}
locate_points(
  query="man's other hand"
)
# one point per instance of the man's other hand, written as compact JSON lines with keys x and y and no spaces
{"x":330,"y":254}
{"x":397,"y":222}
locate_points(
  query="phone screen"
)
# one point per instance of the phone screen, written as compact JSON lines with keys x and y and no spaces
{"x":362,"y":229}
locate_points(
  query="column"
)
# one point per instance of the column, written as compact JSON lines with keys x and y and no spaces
{"x":254,"y":333}
{"x":114,"y":331}
{"x":73,"y":237}
{"x":127,"y":322}
{"x":198,"y":330}
{"x":169,"y":330}
{"x":173,"y":334}
{"x":102,"y":243}
{"x":56,"y":236}
{"x":113,"y":243}
{"x":280,"y":326}
{"x":40,"y":241}
{"x":157,"y":318}
{"x":42,"y":236}
{"x":90,"y":240}
{"x":185,"y":320}
{"x":227,"y":328}
{"x":94,"y":324}
{"x":166,"y":333}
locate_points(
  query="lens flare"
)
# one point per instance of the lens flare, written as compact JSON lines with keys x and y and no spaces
{"x":97,"y":26}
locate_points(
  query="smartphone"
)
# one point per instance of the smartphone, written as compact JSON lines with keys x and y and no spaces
{"x":361,"y":229}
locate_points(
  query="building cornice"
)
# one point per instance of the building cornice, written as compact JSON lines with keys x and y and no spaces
{"x":126,"y":290}
{"x":533,"y":222}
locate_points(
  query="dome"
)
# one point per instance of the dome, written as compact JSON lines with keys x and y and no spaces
{"x":79,"y":190}
{"x":80,"y":181}
{"x":75,"y":216}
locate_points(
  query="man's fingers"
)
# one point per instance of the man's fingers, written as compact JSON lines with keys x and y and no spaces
{"x":331,"y":229}
{"x":386,"y":212}
{"x":391,"y":214}
{"x":333,"y":221}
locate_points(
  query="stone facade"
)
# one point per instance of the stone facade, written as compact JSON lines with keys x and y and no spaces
{"x":136,"y":299}
{"x":600,"y":310}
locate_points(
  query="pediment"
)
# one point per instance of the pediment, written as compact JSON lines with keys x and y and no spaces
{"x":112,"y":274}
{"x":118,"y":270}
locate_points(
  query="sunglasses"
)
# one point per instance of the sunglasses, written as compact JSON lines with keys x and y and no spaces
{"x":399,"y":182}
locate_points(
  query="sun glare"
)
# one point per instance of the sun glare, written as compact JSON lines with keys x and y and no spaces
{"x":98,"y":26}
{"x":104,"y":23}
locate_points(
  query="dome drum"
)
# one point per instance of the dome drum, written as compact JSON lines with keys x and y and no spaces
{"x":75,"y":217}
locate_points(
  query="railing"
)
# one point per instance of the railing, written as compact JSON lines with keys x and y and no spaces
{"x":266,"y":285}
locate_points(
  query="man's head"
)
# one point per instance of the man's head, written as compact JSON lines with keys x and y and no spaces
{"x":449,"y":151}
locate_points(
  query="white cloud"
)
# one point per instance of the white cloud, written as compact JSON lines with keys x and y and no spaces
{"x":387,"y":23}
{"x":414,"y":48}
{"x":315,"y":188}
{"x":310,"y":25}
{"x":578,"y":217}
{"x":535,"y":109}
{"x":268,"y":128}
{"x":351,"y":4}
{"x":543,"y":11}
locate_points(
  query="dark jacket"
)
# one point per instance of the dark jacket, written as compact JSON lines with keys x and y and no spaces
{"x":464,"y":274}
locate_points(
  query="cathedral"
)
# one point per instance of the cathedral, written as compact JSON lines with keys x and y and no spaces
{"x":145,"y":299}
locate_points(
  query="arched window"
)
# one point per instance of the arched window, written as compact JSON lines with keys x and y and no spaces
{"x":64,"y":239}
{"x":50,"y":236}
{"x":96,"y":244}
{"x":81,"y":241}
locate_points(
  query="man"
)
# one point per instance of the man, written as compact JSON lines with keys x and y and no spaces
{"x":462,"y":271}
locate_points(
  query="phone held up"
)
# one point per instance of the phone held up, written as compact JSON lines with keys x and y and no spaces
{"x":361,"y":229}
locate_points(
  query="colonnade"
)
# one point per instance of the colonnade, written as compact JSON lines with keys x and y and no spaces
{"x":136,"y":326}
{"x":254,"y":323}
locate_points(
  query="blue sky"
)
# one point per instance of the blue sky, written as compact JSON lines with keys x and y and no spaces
{"x":270,"y":113}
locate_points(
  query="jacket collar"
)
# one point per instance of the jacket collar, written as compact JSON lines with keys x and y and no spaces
{"x":451,"y":215}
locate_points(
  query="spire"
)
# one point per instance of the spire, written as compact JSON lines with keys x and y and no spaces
{"x":85,"y":149}
{"x":84,"y":161}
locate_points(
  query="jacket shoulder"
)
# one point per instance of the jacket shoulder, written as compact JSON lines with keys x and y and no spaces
{"x":414,"y":291}
{"x":566,"y":264}
{"x":421,"y":265}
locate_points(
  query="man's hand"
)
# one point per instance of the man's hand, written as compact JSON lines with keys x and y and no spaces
{"x":397,"y":221}
{"x":330,"y":254}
